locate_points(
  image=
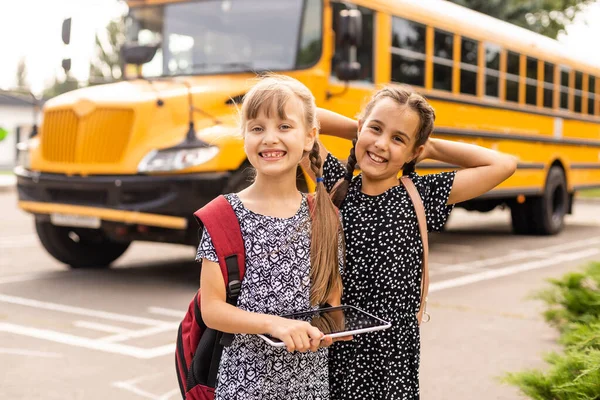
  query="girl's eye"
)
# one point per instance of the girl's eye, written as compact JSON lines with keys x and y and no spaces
{"x":398,"y":139}
{"x":256,"y":129}
{"x":375,"y":128}
{"x":285,"y":127}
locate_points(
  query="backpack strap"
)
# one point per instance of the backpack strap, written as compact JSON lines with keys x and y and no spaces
{"x":221,"y":222}
{"x":415,"y":197}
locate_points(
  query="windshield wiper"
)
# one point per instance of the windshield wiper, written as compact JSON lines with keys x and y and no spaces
{"x":245,"y":66}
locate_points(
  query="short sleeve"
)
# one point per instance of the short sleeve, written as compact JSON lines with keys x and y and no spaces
{"x":333,"y":171}
{"x":206,"y":248}
{"x":435,"y":191}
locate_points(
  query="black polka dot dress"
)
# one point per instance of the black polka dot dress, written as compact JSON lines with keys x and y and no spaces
{"x":383,"y":276}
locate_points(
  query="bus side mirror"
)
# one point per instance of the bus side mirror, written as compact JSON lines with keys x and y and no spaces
{"x":348,"y":38}
{"x":66,"y":31}
{"x":136,"y":54}
{"x":66,"y":64}
{"x":349,"y":31}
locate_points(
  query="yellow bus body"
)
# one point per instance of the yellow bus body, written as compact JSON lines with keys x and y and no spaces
{"x":105,"y":131}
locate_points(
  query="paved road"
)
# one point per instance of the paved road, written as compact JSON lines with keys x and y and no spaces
{"x":109,"y":334}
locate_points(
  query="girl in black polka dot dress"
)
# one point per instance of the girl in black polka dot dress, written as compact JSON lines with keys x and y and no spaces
{"x":383,"y":244}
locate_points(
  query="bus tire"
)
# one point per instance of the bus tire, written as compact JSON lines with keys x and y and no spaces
{"x":548,"y":211}
{"x":78,"y":247}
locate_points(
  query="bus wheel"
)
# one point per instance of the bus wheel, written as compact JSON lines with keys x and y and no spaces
{"x":78,"y":247}
{"x":548,"y":212}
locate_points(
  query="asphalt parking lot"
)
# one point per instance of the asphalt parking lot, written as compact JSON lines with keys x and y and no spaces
{"x":109,"y":334}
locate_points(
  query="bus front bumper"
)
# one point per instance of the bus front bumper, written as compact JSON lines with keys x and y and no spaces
{"x":158,"y":201}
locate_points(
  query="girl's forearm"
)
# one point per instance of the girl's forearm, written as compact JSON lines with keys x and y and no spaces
{"x":334,"y":124}
{"x":462,"y":154}
{"x":224,"y":317}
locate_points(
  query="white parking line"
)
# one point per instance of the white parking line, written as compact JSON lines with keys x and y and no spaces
{"x":500,"y":272}
{"x":29,"y":353}
{"x":132,"y":387}
{"x":519,"y":255}
{"x":93,"y":344}
{"x":80,"y":311}
{"x":167,"y":312}
{"x":140,"y":333}
{"x":100,"y":327}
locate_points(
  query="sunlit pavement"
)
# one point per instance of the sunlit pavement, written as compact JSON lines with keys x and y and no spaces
{"x":109,"y":333}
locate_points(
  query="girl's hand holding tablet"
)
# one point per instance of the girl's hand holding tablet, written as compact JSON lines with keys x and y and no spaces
{"x":297,"y":335}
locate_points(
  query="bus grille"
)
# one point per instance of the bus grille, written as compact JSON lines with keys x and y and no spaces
{"x":98,"y":138}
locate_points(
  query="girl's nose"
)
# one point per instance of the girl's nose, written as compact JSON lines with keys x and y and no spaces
{"x":381,"y":142}
{"x":270,"y":136}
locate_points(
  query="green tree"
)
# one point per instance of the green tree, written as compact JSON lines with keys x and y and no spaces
{"x":22,"y":75}
{"x":61,"y":86}
{"x":548,"y":17}
{"x":107,"y":62}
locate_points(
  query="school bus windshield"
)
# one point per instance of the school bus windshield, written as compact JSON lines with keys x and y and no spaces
{"x":222,"y":36}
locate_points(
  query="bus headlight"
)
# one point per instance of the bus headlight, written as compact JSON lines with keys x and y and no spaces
{"x":176,"y":159}
{"x":23,"y":158}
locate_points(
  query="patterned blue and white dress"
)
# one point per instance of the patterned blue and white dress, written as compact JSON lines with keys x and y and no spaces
{"x":276,"y":282}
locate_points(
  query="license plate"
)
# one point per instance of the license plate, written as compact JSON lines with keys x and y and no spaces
{"x":78,"y":221}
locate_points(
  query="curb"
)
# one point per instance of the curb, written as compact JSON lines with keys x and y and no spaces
{"x":590,"y":200}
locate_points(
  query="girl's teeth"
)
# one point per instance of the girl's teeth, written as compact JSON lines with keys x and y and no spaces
{"x":376,"y":158}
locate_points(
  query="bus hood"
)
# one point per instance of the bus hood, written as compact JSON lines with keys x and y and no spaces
{"x":110,"y":128}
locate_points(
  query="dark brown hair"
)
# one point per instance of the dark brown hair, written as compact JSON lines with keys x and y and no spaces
{"x":404,"y":96}
{"x":274,"y":91}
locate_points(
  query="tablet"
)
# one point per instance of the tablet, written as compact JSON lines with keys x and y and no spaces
{"x":336,"y":322}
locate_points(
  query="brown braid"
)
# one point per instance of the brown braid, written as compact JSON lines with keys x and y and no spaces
{"x":341,"y":190}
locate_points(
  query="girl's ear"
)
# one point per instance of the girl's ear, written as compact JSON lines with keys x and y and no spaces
{"x":360,"y":125}
{"x":309,"y":140}
{"x":417,"y":153}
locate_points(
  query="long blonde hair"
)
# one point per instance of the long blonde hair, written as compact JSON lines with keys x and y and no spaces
{"x":272,"y":93}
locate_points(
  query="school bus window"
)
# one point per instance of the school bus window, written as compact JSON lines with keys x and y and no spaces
{"x":531,"y":81}
{"x":578,"y":91}
{"x":364,"y":54}
{"x":564,"y":88}
{"x":512,"y":76}
{"x":309,"y":50}
{"x":548,"y":85}
{"x":592,"y":95}
{"x":408,"y":52}
{"x":492,"y":70}
{"x":468,"y":66}
{"x":443,"y":45}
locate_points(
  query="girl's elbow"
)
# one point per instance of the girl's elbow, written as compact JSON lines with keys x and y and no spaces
{"x":510,"y":165}
{"x":209,"y":316}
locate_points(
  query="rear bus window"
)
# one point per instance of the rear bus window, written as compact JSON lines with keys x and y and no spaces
{"x":468,"y":66}
{"x":531,"y":81}
{"x":408,"y":52}
{"x":443,"y":48}
{"x":492,"y":70}
{"x":548,"y":85}
{"x":513,"y":62}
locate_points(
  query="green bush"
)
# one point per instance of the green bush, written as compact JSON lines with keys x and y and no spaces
{"x":574,"y":308}
{"x":575,"y":298}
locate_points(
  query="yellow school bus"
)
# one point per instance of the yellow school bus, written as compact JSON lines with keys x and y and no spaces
{"x":132,"y":160}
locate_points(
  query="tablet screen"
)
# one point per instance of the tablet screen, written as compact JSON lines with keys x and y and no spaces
{"x":337,"y":320}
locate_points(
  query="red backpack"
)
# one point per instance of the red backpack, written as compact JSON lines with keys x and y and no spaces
{"x":199,"y":348}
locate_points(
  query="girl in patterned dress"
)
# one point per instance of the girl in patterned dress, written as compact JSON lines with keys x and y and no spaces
{"x":384,"y":250}
{"x":292,"y":260}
